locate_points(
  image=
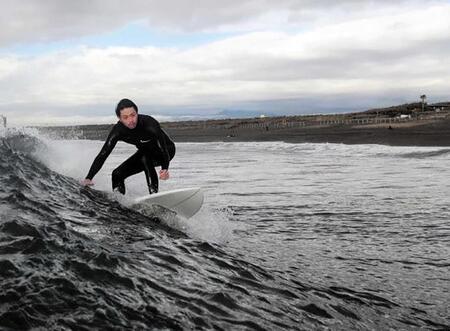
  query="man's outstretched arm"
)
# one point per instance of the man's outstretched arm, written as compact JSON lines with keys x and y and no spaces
{"x":107,"y":148}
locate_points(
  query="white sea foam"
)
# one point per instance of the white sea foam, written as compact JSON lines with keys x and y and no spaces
{"x":253,"y":174}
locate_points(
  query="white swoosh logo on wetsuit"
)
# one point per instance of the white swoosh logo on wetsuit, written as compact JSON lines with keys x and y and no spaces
{"x":145,"y":141}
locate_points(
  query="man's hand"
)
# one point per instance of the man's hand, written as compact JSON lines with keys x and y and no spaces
{"x":164,"y":174}
{"x":86,"y":182}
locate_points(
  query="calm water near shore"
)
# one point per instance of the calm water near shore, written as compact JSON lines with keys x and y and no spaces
{"x":291,"y":236}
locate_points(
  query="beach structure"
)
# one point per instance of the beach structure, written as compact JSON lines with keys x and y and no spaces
{"x":424,"y":101}
{"x":3,"y":119}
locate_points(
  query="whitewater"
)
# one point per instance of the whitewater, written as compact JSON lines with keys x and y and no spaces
{"x":290,"y":237}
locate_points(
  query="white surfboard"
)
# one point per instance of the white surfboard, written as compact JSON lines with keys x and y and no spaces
{"x":185,"y":202}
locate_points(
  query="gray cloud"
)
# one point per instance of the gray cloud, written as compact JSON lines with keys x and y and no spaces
{"x":54,"y":20}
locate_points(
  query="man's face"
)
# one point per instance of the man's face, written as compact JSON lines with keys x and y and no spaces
{"x":128,"y":117}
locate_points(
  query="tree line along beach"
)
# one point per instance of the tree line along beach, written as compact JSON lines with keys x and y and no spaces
{"x":412,"y":124}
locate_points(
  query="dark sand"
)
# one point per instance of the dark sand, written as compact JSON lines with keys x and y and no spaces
{"x":425,"y":133}
{"x":415,"y":132}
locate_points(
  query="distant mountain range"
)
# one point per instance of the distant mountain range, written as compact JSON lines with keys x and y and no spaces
{"x":229,"y":113}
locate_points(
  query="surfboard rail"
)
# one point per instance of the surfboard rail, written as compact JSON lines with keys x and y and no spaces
{"x":185,"y":202}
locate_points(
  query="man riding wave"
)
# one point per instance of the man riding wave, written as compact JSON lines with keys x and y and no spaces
{"x":154,"y":148}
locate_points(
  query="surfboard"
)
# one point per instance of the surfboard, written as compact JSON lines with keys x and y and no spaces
{"x":185,"y":202}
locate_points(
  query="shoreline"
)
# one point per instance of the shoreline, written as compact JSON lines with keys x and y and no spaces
{"x":429,"y":134}
{"x":430,"y":128}
{"x":418,"y":133}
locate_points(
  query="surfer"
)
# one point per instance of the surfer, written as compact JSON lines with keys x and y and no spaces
{"x":154,"y":148}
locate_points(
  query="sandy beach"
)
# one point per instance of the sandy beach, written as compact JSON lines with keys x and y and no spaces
{"x":434,"y":133}
{"x":417,"y":133}
{"x":424,"y":129}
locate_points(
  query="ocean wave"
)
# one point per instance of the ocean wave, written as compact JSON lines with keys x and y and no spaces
{"x":76,"y":258}
{"x":427,"y":154}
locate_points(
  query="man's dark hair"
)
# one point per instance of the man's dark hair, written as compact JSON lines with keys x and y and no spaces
{"x":125,"y":103}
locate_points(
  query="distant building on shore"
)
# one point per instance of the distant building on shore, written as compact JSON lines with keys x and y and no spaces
{"x":441,"y":106}
{"x":3,"y":120}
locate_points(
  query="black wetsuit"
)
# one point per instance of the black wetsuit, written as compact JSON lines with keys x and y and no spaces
{"x":155,"y":148}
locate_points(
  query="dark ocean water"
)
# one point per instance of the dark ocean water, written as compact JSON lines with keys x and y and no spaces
{"x":348,"y":241}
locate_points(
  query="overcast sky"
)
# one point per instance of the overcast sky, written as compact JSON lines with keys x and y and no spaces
{"x":70,"y":62}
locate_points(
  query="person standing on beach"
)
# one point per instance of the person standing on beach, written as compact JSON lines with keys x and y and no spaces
{"x":154,"y":148}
